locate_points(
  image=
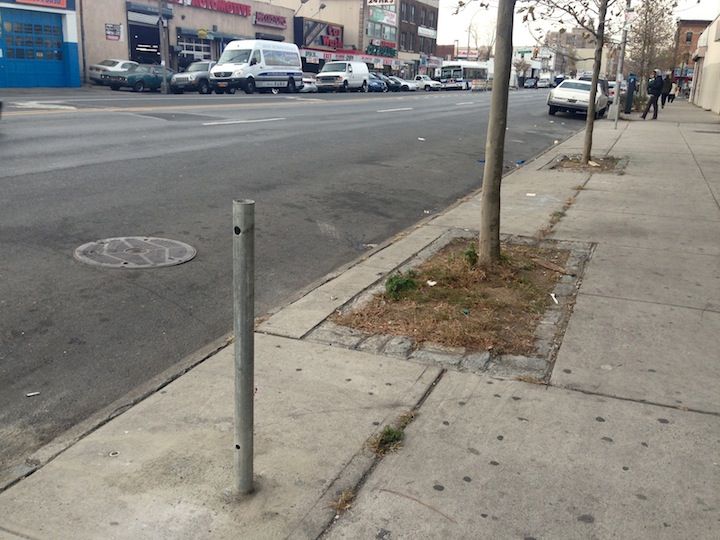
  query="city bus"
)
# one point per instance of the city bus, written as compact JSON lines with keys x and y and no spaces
{"x":463,"y":74}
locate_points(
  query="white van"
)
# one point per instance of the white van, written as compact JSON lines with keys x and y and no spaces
{"x":255,"y":64}
{"x":345,"y":76}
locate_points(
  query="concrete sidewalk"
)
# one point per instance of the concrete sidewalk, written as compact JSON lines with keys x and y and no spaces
{"x":623,"y":442}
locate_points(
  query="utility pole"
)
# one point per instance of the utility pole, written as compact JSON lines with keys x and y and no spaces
{"x":163,"y":47}
{"x":621,"y":61}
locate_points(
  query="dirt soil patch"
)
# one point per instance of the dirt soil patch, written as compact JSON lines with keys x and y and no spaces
{"x":572,"y":163}
{"x":450,"y":301}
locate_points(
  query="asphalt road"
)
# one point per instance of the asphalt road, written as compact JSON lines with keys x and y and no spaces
{"x":331,"y":174}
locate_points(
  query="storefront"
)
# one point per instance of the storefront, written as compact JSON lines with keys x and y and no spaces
{"x":321,"y":41}
{"x":38,"y":44}
{"x":196,"y":29}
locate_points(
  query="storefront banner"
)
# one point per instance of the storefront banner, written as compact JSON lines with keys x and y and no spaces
{"x":318,"y":34}
{"x":223,"y":6}
{"x":59,"y":4}
{"x":427,"y":32}
{"x":381,"y":2}
{"x":313,"y":57}
{"x":268,"y":19}
{"x":382,"y":16}
{"x":113,"y":32}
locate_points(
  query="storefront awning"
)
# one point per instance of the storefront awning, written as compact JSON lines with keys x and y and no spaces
{"x":310,"y":55}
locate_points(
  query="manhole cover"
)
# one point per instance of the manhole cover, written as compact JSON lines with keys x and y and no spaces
{"x":135,"y":252}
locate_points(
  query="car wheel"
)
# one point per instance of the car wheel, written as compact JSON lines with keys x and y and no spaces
{"x":291,"y":86}
{"x":230,"y":91}
{"x":364,"y":87}
{"x":345,"y":86}
{"x":250,"y":86}
{"x":139,"y":86}
{"x":385,"y":89}
{"x":427,"y":87}
{"x":405,"y":88}
{"x":275,"y":91}
{"x":552,"y":110}
{"x":114,"y":87}
{"x":204,"y":87}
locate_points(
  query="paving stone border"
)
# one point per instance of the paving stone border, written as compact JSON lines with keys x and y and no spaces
{"x":548,"y":334}
{"x":554,"y":165}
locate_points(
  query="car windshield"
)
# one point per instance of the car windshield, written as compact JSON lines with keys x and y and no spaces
{"x":109,"y":63}
{"x":333,"y":66}
{"x":575,"y":85}
{"x":141,"y":69}
{"x":199,"y":66}
{"x":236,"y":56}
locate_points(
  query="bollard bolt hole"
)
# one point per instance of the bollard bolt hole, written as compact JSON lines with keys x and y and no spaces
{"x":237,"y":230}
{"x":237,"y":447}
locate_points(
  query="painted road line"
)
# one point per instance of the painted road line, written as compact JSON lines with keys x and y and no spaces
{"x":396,"y":110}
{"x":465,"y":103}
{"x":231,"y":122}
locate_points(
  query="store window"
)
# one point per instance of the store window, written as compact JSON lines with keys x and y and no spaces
{"x":33,"y":41}
{"x":195,"y":48}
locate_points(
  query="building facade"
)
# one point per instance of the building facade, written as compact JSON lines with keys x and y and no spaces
{"x":706,"y":62}
{"x":686,"y":42}
{"x":417,"y":36}
{"x":195,"y":29}
{"x":38,"y":43}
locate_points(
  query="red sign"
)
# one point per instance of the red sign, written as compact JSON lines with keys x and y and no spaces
{"x":267,"y":19}
{"x":61,"y":4}
{"x":223,"y":6}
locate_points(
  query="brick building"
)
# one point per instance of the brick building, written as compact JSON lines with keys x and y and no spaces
{"x":686,"y":42}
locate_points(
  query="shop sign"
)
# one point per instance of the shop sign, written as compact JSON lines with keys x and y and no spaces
{"x":223,"y":6}
{"x":427,"y":32}
{"x":382,"y":16}
{"x":320,"y":35}
{"x":381,"y":2}
{"x":113,"y":32}
{"x":268,"y":19}
{"x":60,"y":4}
{"x":381,"y":48}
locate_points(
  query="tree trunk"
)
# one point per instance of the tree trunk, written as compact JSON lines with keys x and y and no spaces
{"x":590,"y":122}
{"x":489,"y":248}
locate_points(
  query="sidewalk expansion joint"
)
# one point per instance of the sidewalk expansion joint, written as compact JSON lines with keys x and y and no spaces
{"x":406,"y":419}
{"x":653,"y":303}
{"x":712,"y":194}
{"x":635,"y":400}
{"x":16,"y":534}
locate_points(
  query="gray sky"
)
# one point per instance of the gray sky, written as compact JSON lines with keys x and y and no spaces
{"x":455,"y":27}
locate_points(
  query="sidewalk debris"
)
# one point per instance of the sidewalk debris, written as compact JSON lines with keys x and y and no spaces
{"x":530,"y":194}
{"x":431,"y":283}
{"x":32,"y":394}
{"x":552,"y":295}
{"x":421,"y":139}
{"x":593,"y":163}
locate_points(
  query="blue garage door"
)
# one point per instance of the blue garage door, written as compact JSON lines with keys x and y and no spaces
{"x":32,"y":49}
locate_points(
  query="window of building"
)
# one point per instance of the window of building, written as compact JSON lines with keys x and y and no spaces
{"x":431,"y":19}
{"x":688,"y":37}
{"x":389,"y":33}
{"x":194,"y":48}
{"x":412,"y":13}
{"x":411,"y":42}
{"x":421,"y":44}
{"x":423,"y":14}
{"x":403,"y":41}
{"x":403,"y":11}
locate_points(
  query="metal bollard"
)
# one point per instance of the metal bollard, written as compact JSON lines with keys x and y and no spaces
{"x":244,"y":315}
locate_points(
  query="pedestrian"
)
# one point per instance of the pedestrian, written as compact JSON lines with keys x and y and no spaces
{"x":673,"y":92}
{"x":666,"y":86}
{"x":654,"y":90}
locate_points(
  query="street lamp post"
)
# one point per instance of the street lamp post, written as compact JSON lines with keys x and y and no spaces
{"x":621,"y":61}
{"x":162,"y":45}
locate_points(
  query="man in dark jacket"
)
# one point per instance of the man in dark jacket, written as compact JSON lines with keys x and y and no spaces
{"x":666,"y":87}
{"x":654,"y":90}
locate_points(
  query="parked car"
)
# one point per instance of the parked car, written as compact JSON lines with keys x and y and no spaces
{"x":392,"y":85}
{"x":257,"y":64}
{"x":109,"y":66}
{"x":376,"y":84}
{"x":309,"y":85}
{"x":344,"y":76}
{"x":604,"y":84}
{"x":543,"y":83}
{"x":530,"y":83}
{"x":139,"y":78}
{"x":405,"y":86}
{"x":573,"y":95}
{"x":195,"y":79}
{"x":426,"y":83}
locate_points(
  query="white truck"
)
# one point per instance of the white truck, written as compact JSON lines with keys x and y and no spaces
{"x":424,"y":82}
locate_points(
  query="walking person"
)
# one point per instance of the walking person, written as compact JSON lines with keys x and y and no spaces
{"x":654,"y":91}
{"x":673,"y":92}
{"x":666,"y":87}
